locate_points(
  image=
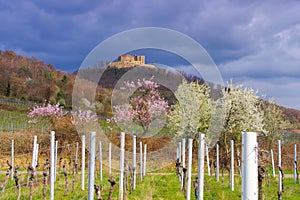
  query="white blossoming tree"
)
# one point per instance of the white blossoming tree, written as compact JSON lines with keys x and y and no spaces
{"x":274,"y":122}
{"x":242,"y":113}
{"x":236,"y":111}
{"x":191,"y":113}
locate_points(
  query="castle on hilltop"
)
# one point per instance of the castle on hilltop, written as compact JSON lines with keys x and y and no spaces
{"x":127,"y":61}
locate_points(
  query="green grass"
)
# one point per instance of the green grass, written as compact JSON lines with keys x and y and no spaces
{"x":156,"y":186}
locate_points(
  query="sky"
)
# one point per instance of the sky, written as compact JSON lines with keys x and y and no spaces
{"x":254,"y":43}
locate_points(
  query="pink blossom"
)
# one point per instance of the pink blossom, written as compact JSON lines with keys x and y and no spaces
{"x":144,"y":108}
{"x":83,"y":117}
{"x":48,"y":111}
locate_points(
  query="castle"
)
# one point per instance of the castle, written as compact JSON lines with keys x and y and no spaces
{"x":127,"y":61}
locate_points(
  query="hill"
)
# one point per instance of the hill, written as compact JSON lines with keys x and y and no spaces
{"x":30,"y":79}
{"x":292,"y":114}
{"x":33,"y":80}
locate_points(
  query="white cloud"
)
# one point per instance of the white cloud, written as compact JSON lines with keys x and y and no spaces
{"x":285,"y":90}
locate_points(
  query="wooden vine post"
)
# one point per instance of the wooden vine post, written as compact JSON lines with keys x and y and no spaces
{"x":98,"y":189}
{"x":17,"y":182}
{"x":131,"y":171}
{"x":73,"y":174}
{"x":66,"y":178}
{"x":183,"y":164}
{"x":261,"y":176}
{"x":125,"y":180}
{"x":8,"y":172}
{"x":45,"y":174}
{"x":184,"y":181}
{"x":217,"y":162}
{"x":112,"y":182}
{"x":232,"y":165}
{"x":196,"y":187}
{"x":31,"y":177}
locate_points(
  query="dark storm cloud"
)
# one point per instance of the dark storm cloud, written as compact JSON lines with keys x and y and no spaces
{"x":254,"y":42}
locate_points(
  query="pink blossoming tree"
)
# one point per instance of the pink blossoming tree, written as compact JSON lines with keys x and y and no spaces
{"x":84,"y":120}
{"x":146,"y":107}
{"x":83,"y":117}
{"x":51,"y":112}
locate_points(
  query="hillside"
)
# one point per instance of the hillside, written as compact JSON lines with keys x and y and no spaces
{"x":292,"y":114}
{"x":30,"y":79}
{"x":33,"y":80}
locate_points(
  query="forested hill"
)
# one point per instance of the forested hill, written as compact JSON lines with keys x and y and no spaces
{"x":33,"y":80}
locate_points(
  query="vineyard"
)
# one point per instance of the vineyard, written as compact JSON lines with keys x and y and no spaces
{"x":78,"y":176}
{"x":43,"y":155}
